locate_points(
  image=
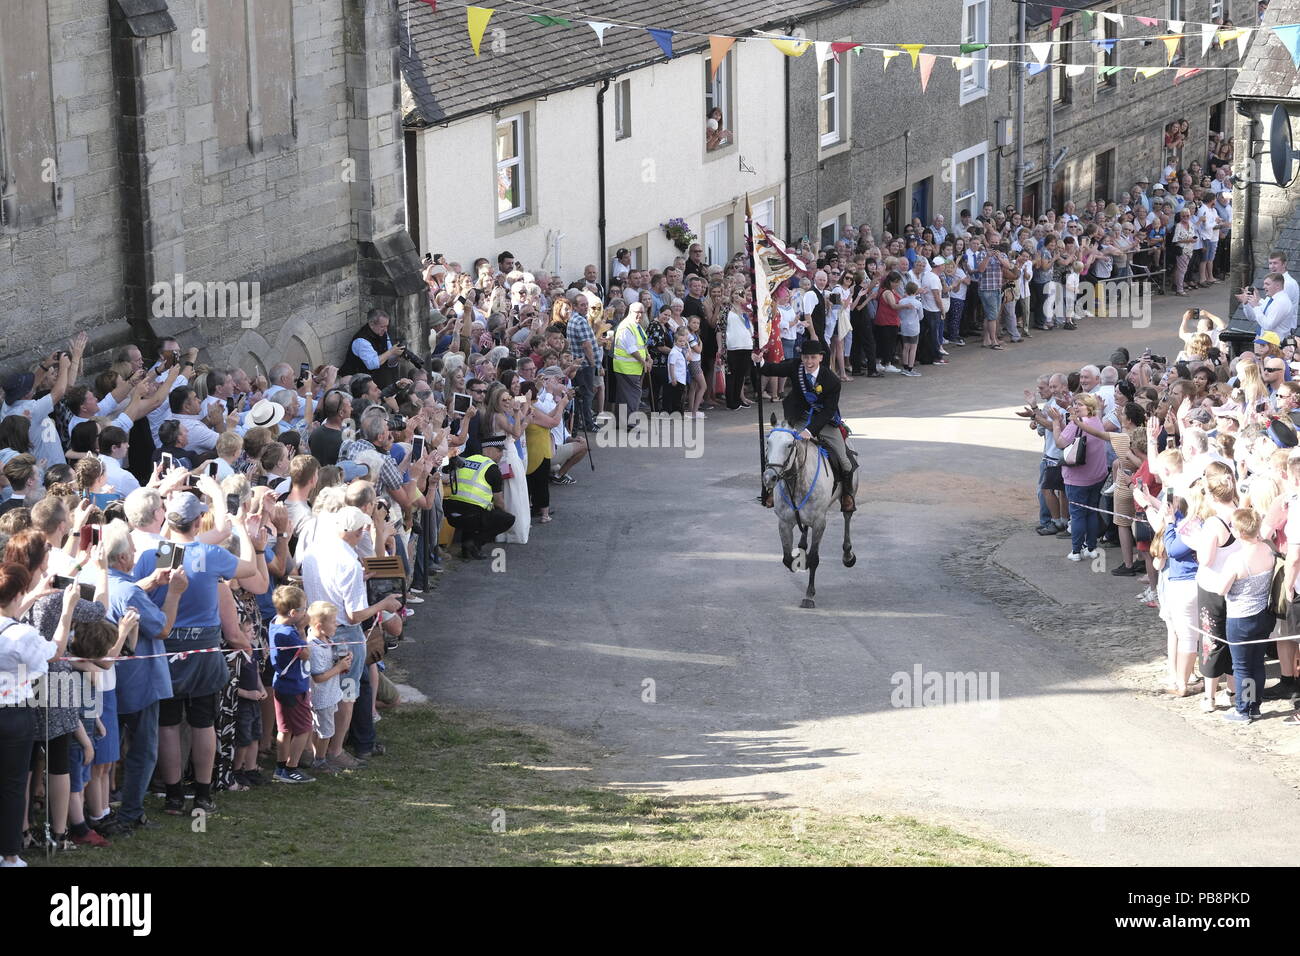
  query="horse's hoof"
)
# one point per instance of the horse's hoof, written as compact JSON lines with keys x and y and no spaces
{"x":850,"y":559}
{"x":788,"y":561}
{"x":807,"y":602}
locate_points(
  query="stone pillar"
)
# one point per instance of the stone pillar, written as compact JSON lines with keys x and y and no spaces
{"x":150,"y":133}
{"x":389,"y":265}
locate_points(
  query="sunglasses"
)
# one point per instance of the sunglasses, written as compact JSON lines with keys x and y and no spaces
{"x":1273,"y":368}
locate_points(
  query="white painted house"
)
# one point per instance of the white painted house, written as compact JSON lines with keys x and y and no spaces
{"x":504,"y":151}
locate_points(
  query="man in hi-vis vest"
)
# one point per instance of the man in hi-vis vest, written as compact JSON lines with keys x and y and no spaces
{"x":475,"y":505}
{"x":631,"y":361}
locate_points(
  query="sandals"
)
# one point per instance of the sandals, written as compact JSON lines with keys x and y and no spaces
{"x":999,"y":348}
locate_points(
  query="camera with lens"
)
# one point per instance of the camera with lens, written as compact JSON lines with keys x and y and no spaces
{"x":397,"y":423}
{"x":411,"y":357}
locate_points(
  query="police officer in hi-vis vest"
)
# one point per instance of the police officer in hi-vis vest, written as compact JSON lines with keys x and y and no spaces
{"x":475,"y":505}
{"x":631,"y":359}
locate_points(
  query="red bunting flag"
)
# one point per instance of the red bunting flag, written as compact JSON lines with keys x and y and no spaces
{"x":1147,"y":21}
{"x":1056,"y":16}
{"x":842,"y":47}
{"x":1185,"y":73}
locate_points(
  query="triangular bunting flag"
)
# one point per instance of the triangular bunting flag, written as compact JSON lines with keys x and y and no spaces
{"x":1036,"y":68}
{"x":961,"y":62}
{"x":1088,"y":18}
{"x":664,"y":38}
{"x":1175,"y":26}
{"x":889,"y":56}
{"x":1075,"y":69}
{"x":927,"y":67}
{"x":997,"y":64}
{"x":1185,"y":73}
{"x":719,"y":47}
{"x":1171,"y":46}
{"x":1107,"y":43}
{"x":1207,"y":37}
{"x":791,"y":46}
{"x":844,"y":47}
{"x":1243,"y":40}
{"x":551,"y":21}
{"x":973,"y":47}
{"x":1056,"y":16}
{"x":432,"y":3}
{"x":1289,"y":35}
{"x":1041,"y":51}
{"x":1117,"y":18}
{"x":1109,"y":70}
{"x":600,"y":29}
{"x":822,"y":48}
{"x":914,"y":49}
{"x":477,"y":18}
{"x":1150,"y":71}
{"x":1147,"y":21}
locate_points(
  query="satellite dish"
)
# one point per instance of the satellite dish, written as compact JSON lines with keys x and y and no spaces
{"x":1279,"y":147}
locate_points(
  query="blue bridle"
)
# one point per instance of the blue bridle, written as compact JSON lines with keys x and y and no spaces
{"x":817,"y":474}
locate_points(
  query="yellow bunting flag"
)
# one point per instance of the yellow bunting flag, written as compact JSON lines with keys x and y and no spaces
{"x":889,"y":56}
{"x":791,"y":47}
{"x":1147,"y":72}
{"x":1171,"y":46}
{"x":927,"y":67}
{"x":961,"y":62}
{"x":914,"y":49}
{"x":718,"y":49}
{"x":478,"y":18}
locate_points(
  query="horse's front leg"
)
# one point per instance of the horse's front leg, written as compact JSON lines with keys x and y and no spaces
{"x":850,"y":558}
{"x":787,"y":543}
{"x":813,"y":558}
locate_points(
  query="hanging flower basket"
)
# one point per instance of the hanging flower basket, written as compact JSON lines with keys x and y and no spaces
{"x":679,"y":232}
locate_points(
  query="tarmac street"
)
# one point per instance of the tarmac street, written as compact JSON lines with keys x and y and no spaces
{"x":655,"y":617}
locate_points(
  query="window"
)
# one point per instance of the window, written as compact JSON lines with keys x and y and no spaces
{"x":1177,"y":9}
{"x":1063,"y":85}
{"x":241,"y":111}
{"x":717,"y":96}
{"x":1103,"y":175}
{"x":1107,"y":58}
{"x":975,"y":29}
{"x":832,"y":93}
{"x":717,"y":241}
{"x":511,"y":149}
{"x":765,"y":213}
{"x":969,"y":180}
{"x":893,"y":206}
{"x":27,"y":148}
{"x":1218,"y":10}
{"x":830,"y":230}
{"x":622,"y":109}
{"x":921,"y":199}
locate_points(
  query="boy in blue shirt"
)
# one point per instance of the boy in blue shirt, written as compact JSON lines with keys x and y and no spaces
{"x":290,"y":657}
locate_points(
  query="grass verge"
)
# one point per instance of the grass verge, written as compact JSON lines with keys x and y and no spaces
{"x":450,"y":779}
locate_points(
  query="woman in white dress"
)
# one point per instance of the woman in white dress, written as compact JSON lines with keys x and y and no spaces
{"x":509,"y":418}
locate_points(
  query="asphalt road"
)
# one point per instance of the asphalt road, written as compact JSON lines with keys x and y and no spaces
{"x":661,"y":567}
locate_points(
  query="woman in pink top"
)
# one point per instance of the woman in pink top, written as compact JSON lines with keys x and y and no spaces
{"x":1083,"y":483}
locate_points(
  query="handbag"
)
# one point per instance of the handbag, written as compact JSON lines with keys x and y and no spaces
{"x":375,"y":642}
{"x":1279,"y":602}
{"x":1076,"y":453}
{"x":719,"y":379}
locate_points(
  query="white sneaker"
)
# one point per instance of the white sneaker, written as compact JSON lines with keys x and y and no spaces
{"x":943,"y":351}
{"x":19,"y":862}
{"x":1091,"y":554}
{"x":1075,"y":556}
{"x":892,"y":368}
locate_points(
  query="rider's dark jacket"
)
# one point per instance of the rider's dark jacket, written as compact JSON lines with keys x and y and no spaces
{"x":799,"y":412}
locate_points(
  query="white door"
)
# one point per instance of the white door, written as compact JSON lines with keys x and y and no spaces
{"x":716,"y":249}
{"x":765,"y":213}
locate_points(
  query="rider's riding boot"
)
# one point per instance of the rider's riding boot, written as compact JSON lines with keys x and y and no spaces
{"x":847,"y":504}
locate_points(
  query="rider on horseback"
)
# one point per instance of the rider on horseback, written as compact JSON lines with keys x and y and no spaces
{"x":814,"y":401}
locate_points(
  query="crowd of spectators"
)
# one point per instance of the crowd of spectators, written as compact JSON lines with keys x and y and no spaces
{"x":223,"y":557}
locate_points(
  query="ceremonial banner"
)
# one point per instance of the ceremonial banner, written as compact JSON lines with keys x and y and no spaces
{"x":773,"y":264}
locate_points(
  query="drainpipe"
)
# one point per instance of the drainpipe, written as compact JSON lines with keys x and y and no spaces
{"x":1020,"y":108}
{"x":600,"y":178}
{"x":789,"y":196}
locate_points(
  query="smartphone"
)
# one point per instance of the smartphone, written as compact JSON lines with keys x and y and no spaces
{"x":168,"y":462}
{"x":460,"y":403}
{"x":212,"y":469}
{"x":417,"y":448}
{"x":87,"y":591}
{"x":232,"y":504}
{"x":89,"y":536}
{"x":192,"y":482}
{"x":304,"y":371}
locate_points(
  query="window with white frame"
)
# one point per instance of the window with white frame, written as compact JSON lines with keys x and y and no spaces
{"x":1218,"y":10}
{"x":1177,"y":9}
{"x":832,"y":95}
{"x":622,"y":109}
{"x":765,"y":213}
{"x":975,"y":29}
{"x":969,"y":180}
{"x":717,"y":95}
{"x":511,"y":156}
{"x":830,"y":230}
{"x":1107,"y":51}
{"x":717,"y":241}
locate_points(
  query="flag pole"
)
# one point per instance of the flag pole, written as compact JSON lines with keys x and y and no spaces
{"x":753,"y":291}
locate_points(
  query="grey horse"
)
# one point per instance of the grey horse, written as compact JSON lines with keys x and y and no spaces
{"x":804,"y":488}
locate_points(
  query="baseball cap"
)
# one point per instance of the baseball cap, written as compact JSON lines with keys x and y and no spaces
{"x":185,"y":507}
{"x":17,"y":386}
{"x":1268,"y":338}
